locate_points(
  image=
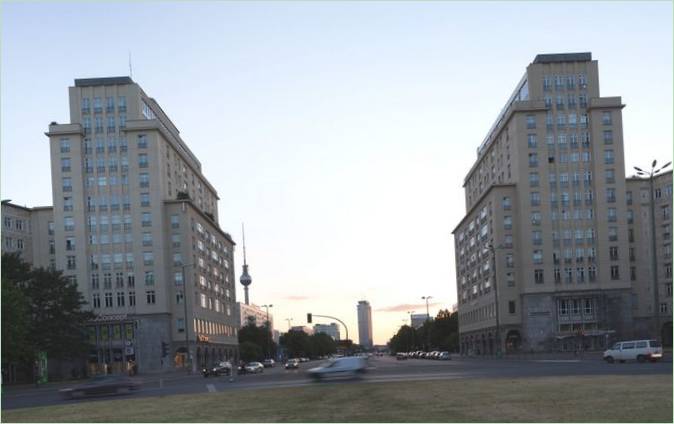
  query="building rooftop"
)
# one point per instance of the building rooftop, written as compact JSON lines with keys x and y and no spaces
{"x":91,"y":82}
{"x":563,"y":57}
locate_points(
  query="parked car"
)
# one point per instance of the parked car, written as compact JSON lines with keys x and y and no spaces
{"x":254,"y":367}
{"x":401,"y":356}
{"x":351,"y":366}
{"x":220,"y":368}
{"x":292,"y":364}
{"x":639,"y":350}
{"x":268,"y":363}
{"x":101,"y":385}
{"x":444,"y":356}
{"x":303,"y":359}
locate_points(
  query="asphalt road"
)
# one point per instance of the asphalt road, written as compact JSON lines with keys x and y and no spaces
{"x":382,"y":370}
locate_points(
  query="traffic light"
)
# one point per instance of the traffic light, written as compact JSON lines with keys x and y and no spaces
{"x":309,"y":318}
{"x":164,"y":349}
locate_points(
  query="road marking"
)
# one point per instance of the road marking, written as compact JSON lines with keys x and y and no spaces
{"x":556,"y":360}
{"x":211,"y":388}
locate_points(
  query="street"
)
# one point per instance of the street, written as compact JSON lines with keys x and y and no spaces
{"x":381,"y":370}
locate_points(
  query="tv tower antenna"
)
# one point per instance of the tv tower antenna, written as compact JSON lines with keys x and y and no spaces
{"x":245,"y":277}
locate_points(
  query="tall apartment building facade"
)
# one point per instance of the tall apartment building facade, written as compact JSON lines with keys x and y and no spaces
{"x":365,"y":324}
{"x":645,"y":302}
{"x":254,"y":313}
{"x":545,"y":229}
{"x":136,"y":226}
{"x":30,"y":233}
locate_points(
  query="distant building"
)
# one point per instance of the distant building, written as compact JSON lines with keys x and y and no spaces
{"x":417,"y":320}
{"x":331,"y":330}
{"x":30,"y":233}
{"x":364,"y":324}
{"x":303,"y":328}
{"x":253,"y":313}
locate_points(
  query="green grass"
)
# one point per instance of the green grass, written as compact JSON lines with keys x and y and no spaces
{"x":547,"y":399}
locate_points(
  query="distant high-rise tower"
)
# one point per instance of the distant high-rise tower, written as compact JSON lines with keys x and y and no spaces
{"x":364,"y":324}
{"x":245,"y":277}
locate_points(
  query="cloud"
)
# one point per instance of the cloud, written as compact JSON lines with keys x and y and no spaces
{"x":296,"y":297}
{"x":406,"y":307}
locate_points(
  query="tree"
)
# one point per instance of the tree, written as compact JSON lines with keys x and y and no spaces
{"x":322,"y":344}
{"x":404,"y":340}
{"x":250,"y":352}
{"x":49,"y":315}
{"x":297,"y":343}
{"x":259,"y":336}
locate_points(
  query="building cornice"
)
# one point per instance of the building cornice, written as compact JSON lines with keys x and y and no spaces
{"x":479,"y":199}
{"x":203,"y":215}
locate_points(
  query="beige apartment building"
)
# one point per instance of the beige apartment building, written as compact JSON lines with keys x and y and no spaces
{"x":645,"y":302}
{"x":546,"y":196}
{"x":29,"y":232}
{"x":136,"y":225}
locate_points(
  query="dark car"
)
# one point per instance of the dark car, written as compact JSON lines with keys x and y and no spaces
{"x":220,"y":368}
{"x":101,"y":385}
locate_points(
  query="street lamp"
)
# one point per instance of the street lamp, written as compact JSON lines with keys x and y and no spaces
{"x":428,"y":316}
{"x":654,"y":259}
{"x":492,"y":249}
{"x":188,"y":361}
{"x":266,"y":307}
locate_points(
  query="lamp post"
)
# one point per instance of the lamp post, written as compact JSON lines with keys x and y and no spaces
{"x":654,"y":259}
{"x":266,"y":307}
{"x":188,"y":362}
{"x":428,"y":316}
{"x":492,"y":249}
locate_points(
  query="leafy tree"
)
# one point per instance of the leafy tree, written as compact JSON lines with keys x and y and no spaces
{"x":250,"y":352}
{"x":404,"y":340}
{"x":259,"y":336}
{"x":44,"y":311}
{"x":322,"y":344}
{"x":297,"y":343}
{"x":440,"y":334}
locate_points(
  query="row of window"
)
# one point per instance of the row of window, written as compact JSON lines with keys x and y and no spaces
{"x":98,"y":104}
{"x":561,"y":82}
{"x":18,"y":224}
{"x":98,"y":122}
{"x":11,"y":244}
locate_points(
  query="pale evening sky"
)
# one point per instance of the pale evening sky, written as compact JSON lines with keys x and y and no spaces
{"x":340,"y":133}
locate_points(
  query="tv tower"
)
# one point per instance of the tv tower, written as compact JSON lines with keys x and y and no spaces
{"x":245,"y":277}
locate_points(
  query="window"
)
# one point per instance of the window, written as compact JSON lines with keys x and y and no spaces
{"x":615,"y":272}
{"x":180,"y":325}
{"x":142,"y":160}
{"x":177,"y":259}
{"x":108,"y":300}
{"x":612,"y":215}
{"x":538,"y":256}
{"x":610,"y":195}
{"x":203,"y":301}
{"x":144,"y":179}
{"x":69,"y":223}
{"x":668,"y":274}
{"x":535,"y":198}
{"x":180,"y":298}
{"x":613,"y":253}
{"x":531,"y":121}
{"x":511,"y":306}
{"x":663,"y":308}
{"x":535,"y":218}
{"x":568,"y":275}
{"x":609,"y":159}
{"x":537,"y":238}
{"x":96,"y":300}
{"x":633,"y":273}
{"x":120,"y":299}
{"x":608,"y":137}
{"x":65,"y":145}
{"x":146,"y":220}
{"x":142,"y":141}
{"x":70,"y":243}
{"x":67,"y":184}
{"x":175,"y":222}
{"x":148,"y":258}
{"x":538,"y":276}
{"x":533,"y":179}
{"x":606,"y":118}
{"x":612,"y":233}
{"x":150,"y":297}
{"x":147,"y":239}
{"x":592,"y":273}
{"x":145,"y":199}
{"x":507,"y":222}
{"x":531,"y":140}
{"x":580,"y":275}
{"x":132,"y":298}
{"x":533,"y":160}
{"x":508,"y":241}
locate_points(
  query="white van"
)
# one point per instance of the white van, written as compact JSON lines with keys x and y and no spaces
{"x":639,"y":350}
{"x":350,"y":366}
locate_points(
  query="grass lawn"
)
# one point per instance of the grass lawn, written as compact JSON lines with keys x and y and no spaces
{"x":547,"y":399}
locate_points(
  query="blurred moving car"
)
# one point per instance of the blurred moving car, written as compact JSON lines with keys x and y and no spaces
{"x":101,"y":385}
{"x":351,"y":366}
{"x":444,"y":356}
{"x":639,"y":350}
{"x":292,"y":364}
{"x":303,"y":359}
{"x":254,"y":368}
{"x":220,"y":368}
{"x":268,"y":363}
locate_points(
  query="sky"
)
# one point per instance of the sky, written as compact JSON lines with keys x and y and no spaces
{"x":339,"y":132}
